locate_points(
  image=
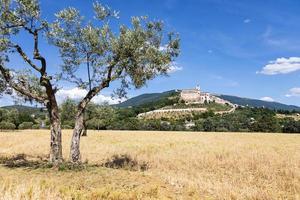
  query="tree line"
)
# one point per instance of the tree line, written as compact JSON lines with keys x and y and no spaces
{"x":246,"y":119}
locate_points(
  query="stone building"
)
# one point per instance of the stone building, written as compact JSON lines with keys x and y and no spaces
{"x":195,"y":96}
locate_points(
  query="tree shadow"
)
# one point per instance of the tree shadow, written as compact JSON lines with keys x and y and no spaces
{"x":123,"y":162}
{"x":39,"y":162}
{"x":23,"y":161}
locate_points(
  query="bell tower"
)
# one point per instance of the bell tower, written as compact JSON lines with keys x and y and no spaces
{"x":198,"y":88}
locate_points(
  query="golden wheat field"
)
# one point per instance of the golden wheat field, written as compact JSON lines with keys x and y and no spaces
{"x":179,"y":166}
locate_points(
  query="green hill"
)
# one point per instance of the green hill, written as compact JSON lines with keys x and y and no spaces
{"x":258,"y":103}
{"x":155,"y":97}
{"x":145,"y":99}
{"x":25,"y":109}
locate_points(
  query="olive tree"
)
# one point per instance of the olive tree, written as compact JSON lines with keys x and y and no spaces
{"x":130,"y":56}
{"x":31,"y":80}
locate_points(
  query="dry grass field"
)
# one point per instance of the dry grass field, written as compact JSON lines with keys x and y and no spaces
{"x":180,"y":166}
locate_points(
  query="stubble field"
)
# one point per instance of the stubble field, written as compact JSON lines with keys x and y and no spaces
{"x":166,"y":165}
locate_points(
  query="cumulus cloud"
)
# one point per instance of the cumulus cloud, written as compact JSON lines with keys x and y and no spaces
{"x":174,"y":68}
{"x":163,"y":48}
{"x":78,"y":94}
{"x":293,"y":92}
{"x":281,"y":66}
{"x":270,"y":99}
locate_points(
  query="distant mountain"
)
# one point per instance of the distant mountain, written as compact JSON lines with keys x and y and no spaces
{"x":258,"y":103}
{"x":144,"y":98}
{"x":152,"y":97}
{"x":25,"y":109}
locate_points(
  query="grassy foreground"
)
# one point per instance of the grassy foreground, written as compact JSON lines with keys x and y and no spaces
{"x":180,"y":166}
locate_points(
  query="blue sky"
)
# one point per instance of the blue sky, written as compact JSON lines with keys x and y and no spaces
{"x":243,"y":48}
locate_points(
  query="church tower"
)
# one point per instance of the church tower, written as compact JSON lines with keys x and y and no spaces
{"x":198,"y":88}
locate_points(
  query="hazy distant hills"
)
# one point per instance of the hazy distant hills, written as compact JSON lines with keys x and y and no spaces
{"x":258,"y":103}
{"x":25,"y":109}
{"x":152,"y":97}
{"x":144,"y":98}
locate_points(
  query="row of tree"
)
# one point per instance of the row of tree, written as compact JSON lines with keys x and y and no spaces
{"x":242,"y":120}
{"x":11,"y":119}
{"x":111,"y":118}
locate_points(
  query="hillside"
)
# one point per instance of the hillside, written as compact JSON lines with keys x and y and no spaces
{"x":25,"y":109}
{"x":258,"y":103}
{"x":153,"y":97}
{"x":144,"y":99}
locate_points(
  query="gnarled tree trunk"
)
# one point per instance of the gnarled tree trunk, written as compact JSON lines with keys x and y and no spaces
{"x":79,"y":120}
{"x":75,"y":143}
{"x":84,"y":131}
{"x":55,"y":138}
{"x":55,"y":123}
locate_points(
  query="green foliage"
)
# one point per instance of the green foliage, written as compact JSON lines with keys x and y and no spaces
{"x":36,"y":126}
{"x":289,"y":125}
{"x":17,"y":16}
{"x":168,"y":99}
{"x":26,"y":125}
{"x":243,"y":120}
{"x":68,"y":113}
{"x":25,"y":117}
{"x":11,"y":116}
{"x":7,"y":125}
{"x":100,"y":117}
{"x":133,"y":54}
{"x":67,"y":126}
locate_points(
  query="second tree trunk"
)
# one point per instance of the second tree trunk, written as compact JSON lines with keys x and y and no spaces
{"x":75,"y":143}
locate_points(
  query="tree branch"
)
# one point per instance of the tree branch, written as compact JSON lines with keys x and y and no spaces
{"x":11,"y":26}
{"x":93,"y":92}
{"x":25,"y":58}
{"x":24,"y":91}
{"x":37,"y":55}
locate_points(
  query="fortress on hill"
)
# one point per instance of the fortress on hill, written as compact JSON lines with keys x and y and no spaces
{"x":195,"y":96}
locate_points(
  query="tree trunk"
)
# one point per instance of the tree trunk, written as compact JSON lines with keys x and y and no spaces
{"x":75,"y":143}
{"x":55,"y":143}
{"x":84,"y":131}
{"x":55,"y":139}
{"x":75,"y":156}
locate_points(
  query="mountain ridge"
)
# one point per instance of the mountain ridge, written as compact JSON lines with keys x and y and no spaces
{"x":241,"y":101}
{"x":153,"y":97}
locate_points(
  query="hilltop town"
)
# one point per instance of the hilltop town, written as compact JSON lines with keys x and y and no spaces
{"x":196,"y":96}
{"x":189,"y":102}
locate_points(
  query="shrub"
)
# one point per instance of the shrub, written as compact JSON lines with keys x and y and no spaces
{"x":68,"y":124}
{"x":125,"y":162}
{"x":36,"y":126}
{"x":67,"y":127}
{"x":221,"y":129}
{"x":26,"y":125}
{"x":7,"y":126}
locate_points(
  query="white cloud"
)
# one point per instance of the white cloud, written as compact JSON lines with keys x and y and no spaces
{"x":174,"y":68}
{"x":281,"y":66}
{"x":78,"y":94}
{"x":293,"y":92}
{"x":246,"y":21}
{"x":163,"y":48}
{"x":270,"y":99}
